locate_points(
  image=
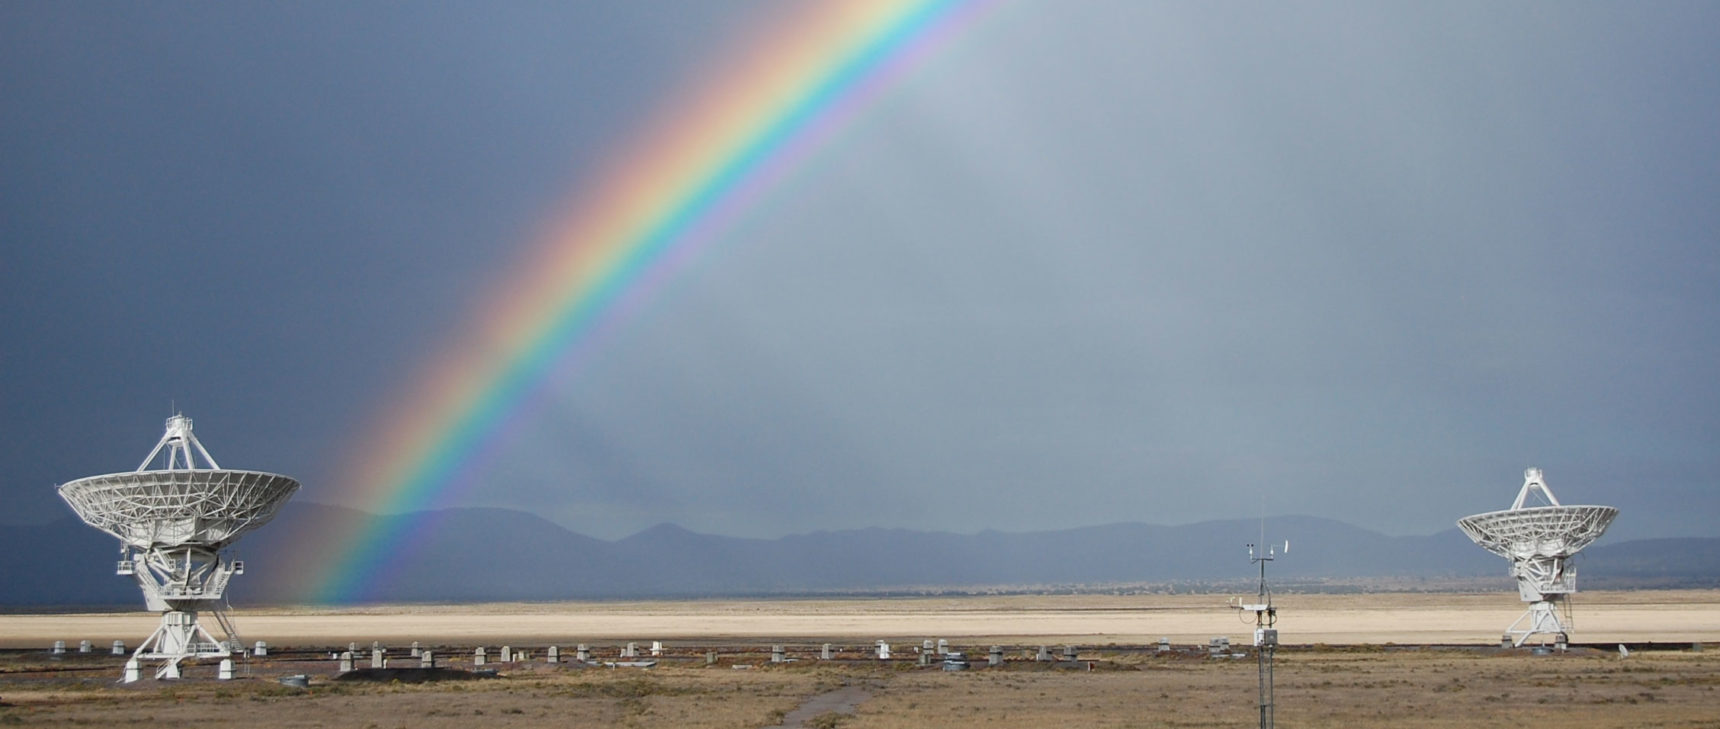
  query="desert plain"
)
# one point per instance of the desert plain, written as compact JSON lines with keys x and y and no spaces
{"x":1391,"y":659}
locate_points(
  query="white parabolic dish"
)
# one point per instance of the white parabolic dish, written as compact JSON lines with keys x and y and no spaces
{"x":1542,"y":531}
{"x":171,"y":508}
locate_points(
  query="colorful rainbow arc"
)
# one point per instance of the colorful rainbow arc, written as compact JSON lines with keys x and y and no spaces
{"x":685,"y":182}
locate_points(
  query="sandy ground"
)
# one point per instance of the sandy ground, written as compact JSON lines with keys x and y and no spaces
{"x":1377,"y":619}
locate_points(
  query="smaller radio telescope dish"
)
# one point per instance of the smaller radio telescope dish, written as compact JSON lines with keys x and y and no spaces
{"x":1539,"y":541}
{"x":173,"y":524}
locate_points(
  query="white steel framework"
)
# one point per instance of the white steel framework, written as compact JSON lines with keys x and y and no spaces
{"x":173,"y":524}
{"x":1539,"y":541}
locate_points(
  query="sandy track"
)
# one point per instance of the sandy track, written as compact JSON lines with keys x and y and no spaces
{"x":1606,"y":617}
{"x":841,"y":701}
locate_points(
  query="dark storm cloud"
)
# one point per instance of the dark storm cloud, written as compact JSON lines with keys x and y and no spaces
{"x":1092,"y":262}
{"x":268,"y":213}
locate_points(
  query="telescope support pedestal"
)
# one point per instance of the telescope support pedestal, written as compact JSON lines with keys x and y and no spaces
{"x":181,"y":636}
{"x":1543,"y":616}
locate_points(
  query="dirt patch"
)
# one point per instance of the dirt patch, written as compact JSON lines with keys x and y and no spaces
{"x":821,"y":711}
{"x":412,"y":675}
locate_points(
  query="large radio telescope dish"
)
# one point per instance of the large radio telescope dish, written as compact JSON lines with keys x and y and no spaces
{"x":146,"y":509}
{"x":1538,"y":540}
{"x":173,"y":523}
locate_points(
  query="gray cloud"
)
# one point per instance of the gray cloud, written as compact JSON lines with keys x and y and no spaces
{"x":1092,"y":262}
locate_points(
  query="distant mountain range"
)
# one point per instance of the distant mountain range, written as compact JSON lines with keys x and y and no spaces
{"x":503,"y":555}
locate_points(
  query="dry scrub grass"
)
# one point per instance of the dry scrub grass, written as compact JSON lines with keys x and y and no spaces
{"x":1319,"y":687}
{"x":608,"y":698}
{"x":1326,"y":688}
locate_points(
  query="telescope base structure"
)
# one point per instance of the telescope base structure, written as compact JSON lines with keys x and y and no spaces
{"x":1547,"y":617}
{"x":181,"y":636}
{"x":181,"y":583}
{"x":1546,"y":584}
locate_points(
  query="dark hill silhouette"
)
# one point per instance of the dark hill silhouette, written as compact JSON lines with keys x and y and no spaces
{"x":471,"y":555}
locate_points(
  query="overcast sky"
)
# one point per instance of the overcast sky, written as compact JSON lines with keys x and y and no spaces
{"x":1090,"y":262}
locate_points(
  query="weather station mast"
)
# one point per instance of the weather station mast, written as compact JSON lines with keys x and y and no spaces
{"x":174,"y":524}
{"x":1265,"y":634}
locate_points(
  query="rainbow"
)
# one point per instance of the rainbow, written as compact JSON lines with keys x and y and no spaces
{"x":684,"y":181}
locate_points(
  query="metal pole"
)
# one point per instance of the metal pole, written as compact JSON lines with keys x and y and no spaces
{"x":1266,"y":702}
{"x":1266,"y":638}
